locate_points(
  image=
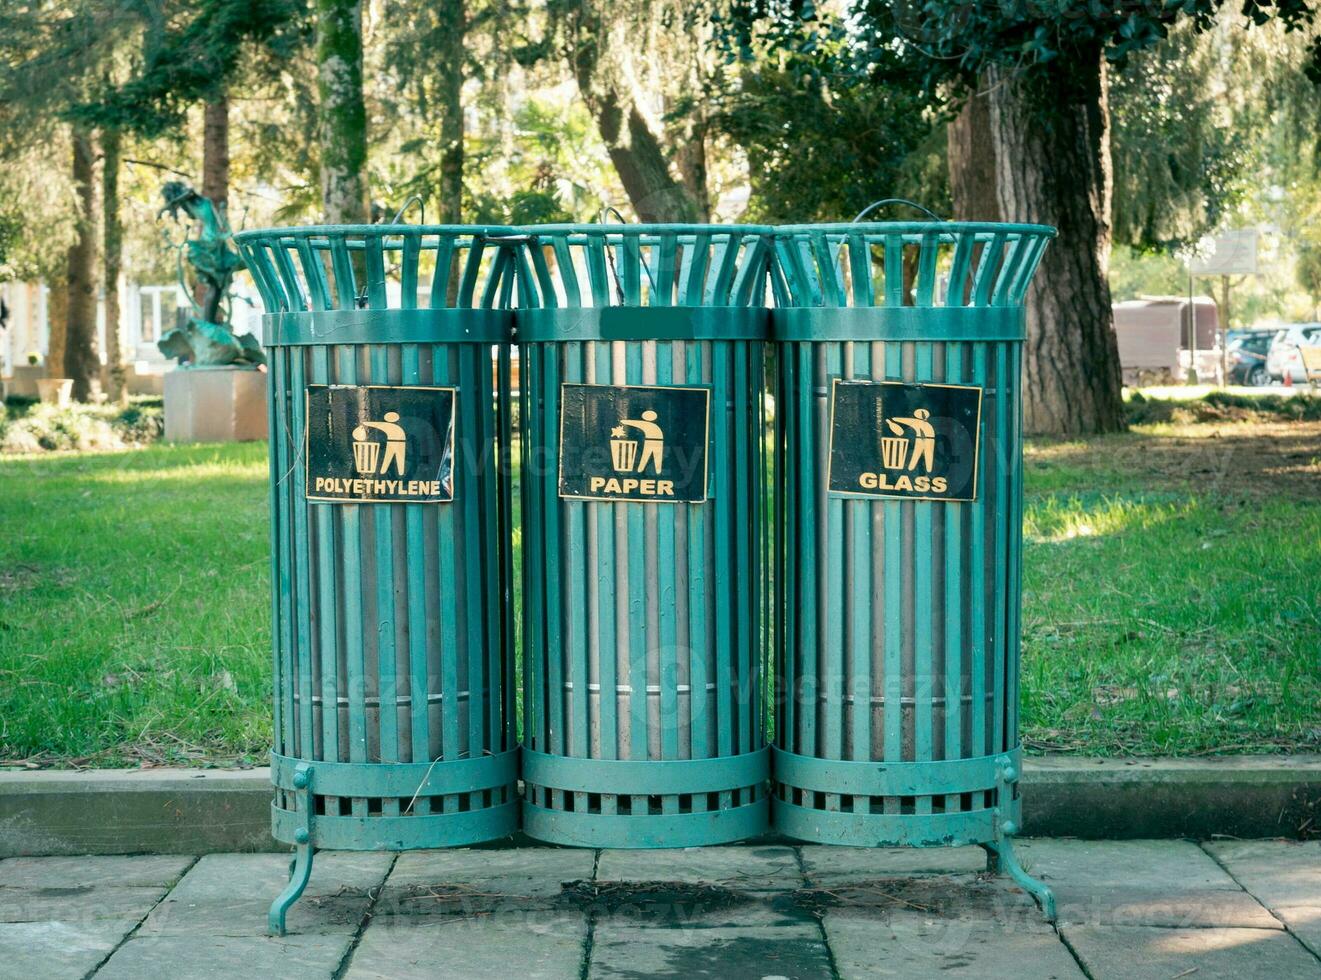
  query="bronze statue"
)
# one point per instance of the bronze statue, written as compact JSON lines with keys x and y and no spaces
{"x":206,"y":340}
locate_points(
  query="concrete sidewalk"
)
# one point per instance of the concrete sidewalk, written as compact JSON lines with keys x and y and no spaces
{"x":1130,"y":909}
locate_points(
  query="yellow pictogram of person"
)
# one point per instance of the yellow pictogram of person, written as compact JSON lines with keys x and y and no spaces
{"x":924,"y":442}
{"x":395,"y":441}
{"x":653,"y":440}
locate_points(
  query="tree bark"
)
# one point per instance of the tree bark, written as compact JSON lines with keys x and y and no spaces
{"x":215,"y":187}
{"x":341,"y":113}
{"x":692,"y":162}
{"x":450,"y":62}
{"x":80,"y":362}
{"x":112,"y":232}
{"x":1052,"y":161}
{"x":57,"y":324}
{"x":215,"y":153}
{"x":971,"y":158}
{"x":636,"y":151}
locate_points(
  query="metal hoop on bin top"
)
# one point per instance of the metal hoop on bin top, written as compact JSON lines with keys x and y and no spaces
{"x":643,"y":706}
{"x":897,"y":620}
{"x":393,"y":623}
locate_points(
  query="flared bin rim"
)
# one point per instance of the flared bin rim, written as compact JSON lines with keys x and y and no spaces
{"x":653,"y":228}
{"x":373,"y":231}
{"x":865,"y":228}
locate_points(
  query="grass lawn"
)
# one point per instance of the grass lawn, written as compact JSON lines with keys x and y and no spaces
{"x":1172,"y":576}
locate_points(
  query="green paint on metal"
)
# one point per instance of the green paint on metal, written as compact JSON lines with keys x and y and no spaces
{"x":897,"y":714}
{"x":642,"y":643}
{"x":393,"y":646}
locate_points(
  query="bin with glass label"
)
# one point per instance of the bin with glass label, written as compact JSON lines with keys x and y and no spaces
{"x":390,"y":535}
{"x":899,"y":533}
{"x":641,"y":355}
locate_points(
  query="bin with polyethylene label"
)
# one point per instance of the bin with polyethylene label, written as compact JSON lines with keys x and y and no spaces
{"x":390,"y":532}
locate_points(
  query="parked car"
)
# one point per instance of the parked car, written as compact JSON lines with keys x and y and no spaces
{"x":1283,"y":357}
{"x":1247,"y":356}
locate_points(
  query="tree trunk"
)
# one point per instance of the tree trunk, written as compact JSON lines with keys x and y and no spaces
{"x":112,"y":231}
{"x":341,"y":113}
{"x":634,"y":149}
{"x":80,"y":362}
{"x":57,"y":325}
{"x":215,"y":153}
{"x":971,"y":156}
{"x":450,"y":63}
{"x":1052,"y":161}
{"x":215,"y":187}
{"x":692,"y":162}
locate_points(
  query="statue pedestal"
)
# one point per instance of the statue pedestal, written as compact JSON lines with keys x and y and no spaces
{"x":219,"y":404}
{"x":22,"y":381}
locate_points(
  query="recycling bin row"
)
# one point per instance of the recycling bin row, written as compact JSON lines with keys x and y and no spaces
{"x":768,"y":490}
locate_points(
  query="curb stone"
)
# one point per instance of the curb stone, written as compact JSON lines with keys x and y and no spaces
{"x":201,"y":811}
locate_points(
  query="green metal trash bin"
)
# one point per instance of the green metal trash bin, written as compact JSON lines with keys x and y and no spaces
{"x":390,"y":517}
{"x":641,"y":357}
{"x":899,"y":533}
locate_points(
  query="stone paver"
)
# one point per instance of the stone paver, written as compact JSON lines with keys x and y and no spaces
{"x":532,"y":945}
{"x":61,"y":916}
{"x":82,"y":872}
{"x":827,"y":866}
{"x":765,"y":942}
{"x":1172,"y":884}
{"x":195,"y":957}
{"x":470,"y":881}
{"x":77,"y":903}
{"x":911,"y":944}
{"x":1145,"y":953}
{"x":743,"y":868}
{"x":1130,"y":909}
{"x":55,"y":950}
{"x":229,"y":894}
{"x":1285,"y":876}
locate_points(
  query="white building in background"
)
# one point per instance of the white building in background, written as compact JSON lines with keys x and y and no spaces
{"x":146,"y":313}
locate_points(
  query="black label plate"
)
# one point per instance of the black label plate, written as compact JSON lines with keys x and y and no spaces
{"x":912,"y":441}
{"x":631,"y":442}
{"x":380,"y":444}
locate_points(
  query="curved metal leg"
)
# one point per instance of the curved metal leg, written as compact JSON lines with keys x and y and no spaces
{"x":300,"y":868}
{"x":1000,"y":857}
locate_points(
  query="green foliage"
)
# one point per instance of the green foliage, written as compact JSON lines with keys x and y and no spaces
{"x":961,"y":40}
{"x":1308,"y":269}
{"x":1135,"y":274}
{"x":36,"y":428}
{"x":1223,"y":406}
{"x":191,"y":50}
{"x":829,"y":127}
{"x":1180,"y":166}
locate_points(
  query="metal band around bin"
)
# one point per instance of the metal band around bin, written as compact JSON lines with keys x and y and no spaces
{"x":651,"y":830}
{"x":626,"y":777}
{"x":891,"y":829}
{"x":623,"y":778}
{"x":642,"y":323}
{"x":402,"y":833}
{"x":422,"y":326}
{"x":855,"y":778}
{"x":402,"y":780}
{"x":880,"y":323}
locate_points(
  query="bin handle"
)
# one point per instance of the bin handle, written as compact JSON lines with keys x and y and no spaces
{"x":605,"y":212}
{"x":414,"y":199}
{"x":896,"y":200}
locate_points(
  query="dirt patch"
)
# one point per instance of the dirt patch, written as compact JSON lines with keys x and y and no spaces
{"x":940,"y":895}
{"x":1254,"y":459}
{"x":611,"y":897}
